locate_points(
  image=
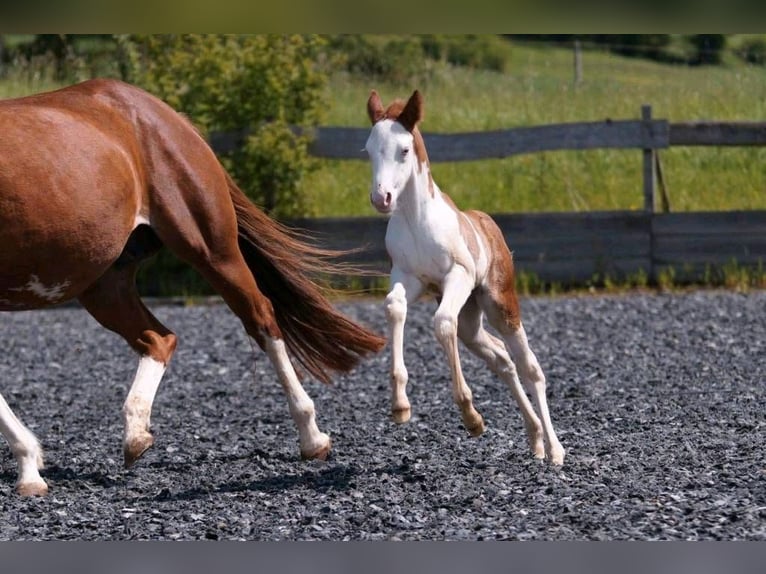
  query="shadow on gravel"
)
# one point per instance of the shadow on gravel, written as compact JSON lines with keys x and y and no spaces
{"x":60,"y":476}
{"x":337,"y":478}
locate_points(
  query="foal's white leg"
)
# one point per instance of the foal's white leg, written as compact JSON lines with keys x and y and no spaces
{"x":137,"y":409}
{"x":492,"y":351}
{"x":534,"y":381}
{"x":456,"y":289}
{"x":405,"y":289}
{"x":313,"y":443}
{"x":26,"y":450}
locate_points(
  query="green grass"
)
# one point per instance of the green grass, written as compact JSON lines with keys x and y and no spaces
{"x":24,"y":84}
{"x":538,"y":89}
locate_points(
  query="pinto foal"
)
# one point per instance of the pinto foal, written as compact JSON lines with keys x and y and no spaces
{"x":462,"y":256}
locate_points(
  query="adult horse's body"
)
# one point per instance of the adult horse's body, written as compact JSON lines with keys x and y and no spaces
{"x":98,"y":176}
{"x":462,"y":256}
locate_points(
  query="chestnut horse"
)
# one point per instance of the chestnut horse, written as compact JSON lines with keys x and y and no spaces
{"x":463,"y":258}
{"x":95,"y":178}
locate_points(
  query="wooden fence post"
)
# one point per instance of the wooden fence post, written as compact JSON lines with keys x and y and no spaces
{"x":646,"y":116}
{"x":577,"y":63}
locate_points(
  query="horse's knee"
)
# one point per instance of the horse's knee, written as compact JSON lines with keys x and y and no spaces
{"x":531,"y":374}
{"x":445,"y":327}
{"x":396,"y":304}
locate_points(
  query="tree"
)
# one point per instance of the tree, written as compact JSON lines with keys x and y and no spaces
{"x":266,"y":83}
{"x":709,"y":48}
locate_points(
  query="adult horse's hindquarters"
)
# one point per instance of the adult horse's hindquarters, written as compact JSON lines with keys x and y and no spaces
{"x":96,"y":177}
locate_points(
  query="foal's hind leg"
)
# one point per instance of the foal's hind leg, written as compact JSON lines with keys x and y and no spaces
{"x":26,"y":450}
{"x":503,"y":315}
{"x":534,"y":381}
{"x":113,"y":301}
{"x":492,"y":351}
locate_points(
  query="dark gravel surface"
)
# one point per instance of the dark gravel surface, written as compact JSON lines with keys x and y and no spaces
{"x":658,"y":399}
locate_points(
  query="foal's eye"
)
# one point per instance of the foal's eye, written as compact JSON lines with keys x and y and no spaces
{"x":405,"y":151}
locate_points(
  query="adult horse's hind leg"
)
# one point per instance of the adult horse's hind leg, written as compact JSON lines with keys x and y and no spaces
{"x":231,"y":277}
{"x":114,"y":302}
{"x":492,"y":351}
{"x":26,"y":450}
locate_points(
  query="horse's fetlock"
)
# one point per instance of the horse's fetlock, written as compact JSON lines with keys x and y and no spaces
{"x":304,"y":410}
{"x":399,"y":375}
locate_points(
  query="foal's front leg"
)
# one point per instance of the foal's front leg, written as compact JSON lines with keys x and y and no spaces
{"x":405,"y":289}
{"x":456,"y":289}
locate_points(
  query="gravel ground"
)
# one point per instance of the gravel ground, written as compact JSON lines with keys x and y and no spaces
{"x":658,"y":399}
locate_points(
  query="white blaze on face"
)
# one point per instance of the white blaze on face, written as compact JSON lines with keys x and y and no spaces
{"x":50,"y":293}
{"x":390,"y":149}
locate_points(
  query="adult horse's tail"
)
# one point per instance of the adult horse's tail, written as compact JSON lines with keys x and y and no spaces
{"x":317,"y":335}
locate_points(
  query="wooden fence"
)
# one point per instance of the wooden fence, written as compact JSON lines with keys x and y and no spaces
{"x":574,"y":248}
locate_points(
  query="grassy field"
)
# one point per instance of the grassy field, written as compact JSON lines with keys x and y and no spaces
{"x":537,"y":88}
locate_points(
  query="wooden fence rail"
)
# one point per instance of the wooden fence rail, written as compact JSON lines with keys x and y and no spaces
{"x":575,"y":247}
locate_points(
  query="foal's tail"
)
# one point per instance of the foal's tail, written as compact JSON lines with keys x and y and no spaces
{"x":317,"y":335}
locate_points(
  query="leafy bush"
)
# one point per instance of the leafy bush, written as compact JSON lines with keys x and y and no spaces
{"x":753,"y":51}
{"x":265,"y":83}
{"x":473,"y":51}
{"x":396,"y":59}
{"x":709,"y":48}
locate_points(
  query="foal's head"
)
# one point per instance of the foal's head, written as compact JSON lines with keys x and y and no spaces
{"x":395,"y":147}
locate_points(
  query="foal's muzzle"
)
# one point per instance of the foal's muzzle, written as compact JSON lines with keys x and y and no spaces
{"x":382,"y":201}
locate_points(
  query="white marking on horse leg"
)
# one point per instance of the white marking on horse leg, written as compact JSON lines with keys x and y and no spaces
{"x":313,"y":443}
{"x":406,"y":289}
{"x":492,"y":351}
{"x":137,"y":408}
{"x":26,"y":450}
{"x":456,"y":290}
{"x":534,"y":381}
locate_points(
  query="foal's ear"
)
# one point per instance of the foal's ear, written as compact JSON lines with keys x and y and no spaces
{"x":375,"y":108}
{"x":412,"y":112}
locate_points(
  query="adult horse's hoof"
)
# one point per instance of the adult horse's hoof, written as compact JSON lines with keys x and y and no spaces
{"x":135,"y":448}
{"x":32,"y":488}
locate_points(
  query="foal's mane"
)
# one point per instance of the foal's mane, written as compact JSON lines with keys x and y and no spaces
{"x":394,"y":109}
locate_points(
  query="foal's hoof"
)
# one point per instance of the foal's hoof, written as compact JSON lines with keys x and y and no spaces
{"x":557,"y":456}
{"x":400,"y":416}
{"x":318,"y":452}
{"x":476,"y":427}
{"x":135,"y":448}
{"x":32,"y":488}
